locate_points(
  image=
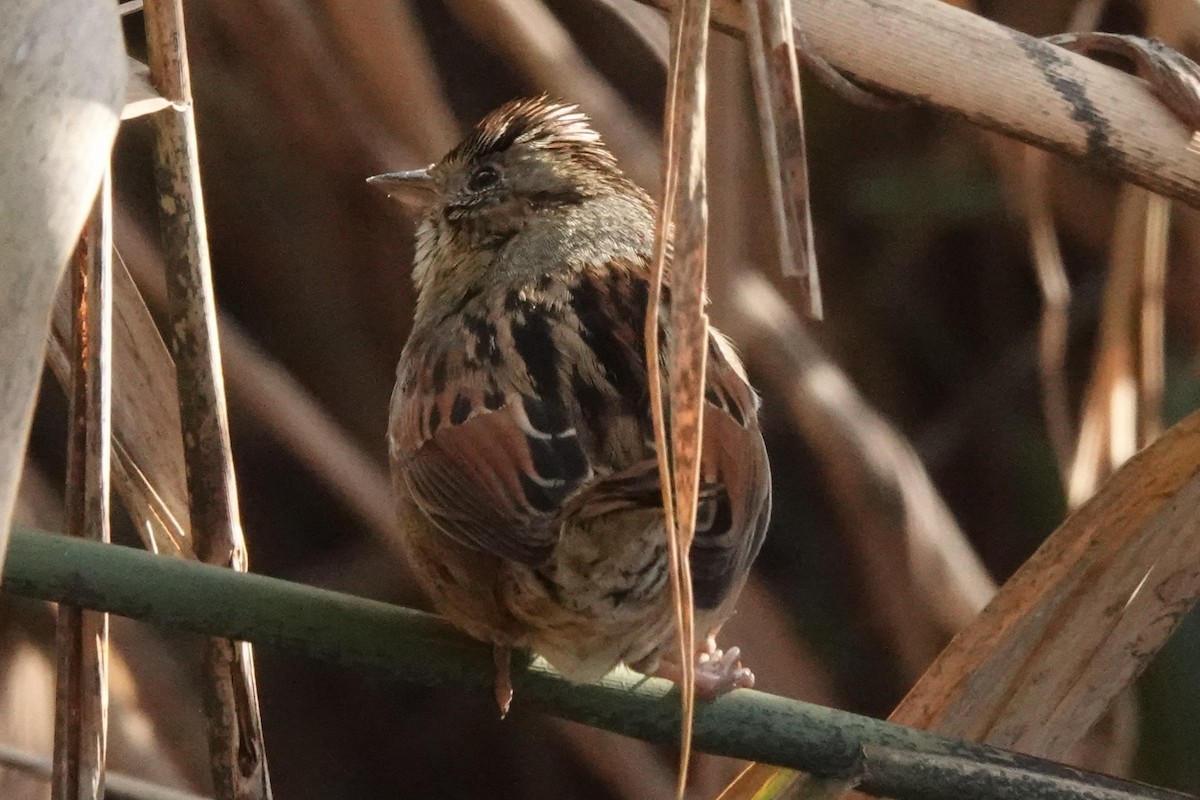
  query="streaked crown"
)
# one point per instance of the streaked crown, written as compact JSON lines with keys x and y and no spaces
{"x":537,"y":124}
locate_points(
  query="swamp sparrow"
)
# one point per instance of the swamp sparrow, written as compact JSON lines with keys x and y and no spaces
{"x":520,"y":436}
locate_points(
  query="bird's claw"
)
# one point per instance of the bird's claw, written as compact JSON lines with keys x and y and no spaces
{"x":720,"y":671}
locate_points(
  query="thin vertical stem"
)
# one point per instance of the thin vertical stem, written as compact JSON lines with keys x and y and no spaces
{"x":775,"y":69}
{"x":1151,"y":319}
{"x":231,"y":700}
{"x":1055,"y":289}
{"x":81,"y":698}
{"x":682,"y":223}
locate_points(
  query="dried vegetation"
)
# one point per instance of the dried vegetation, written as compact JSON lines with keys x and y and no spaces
{"x":1002,"y":331}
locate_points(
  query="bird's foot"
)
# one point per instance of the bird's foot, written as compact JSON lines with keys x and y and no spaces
{"x":717,"y":671}
{"x":502,"y":658}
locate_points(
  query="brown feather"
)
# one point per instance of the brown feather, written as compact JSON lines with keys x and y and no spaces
{"x":520,"y":433}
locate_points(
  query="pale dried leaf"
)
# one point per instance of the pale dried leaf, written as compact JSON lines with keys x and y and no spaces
{"x":64,"y":83}
{"x":1082,"y":617}
{"x":682,"y":227}
{"x":148,"y":468}
{"x":1173,"y":77}
{"x":1109,"y":425}
{"x":141,"y":98}
{"x":1034,"y":201}
{"x":925,"y":581}
{"x":82,"y":655}
{"x":1152,"y":319}
{"x":776,"y":74}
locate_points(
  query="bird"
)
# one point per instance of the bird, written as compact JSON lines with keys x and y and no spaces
{"x":520,"y":435}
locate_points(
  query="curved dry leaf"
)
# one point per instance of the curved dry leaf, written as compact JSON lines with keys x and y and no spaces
{"x":776,"y":76}
{"x":925,"y":579}
{"x":1173,"y":77}
{"x":64,"y":84}
{"x":682,"y":231}
{"x":999,"y":79}
{"x":1082,"y":617}
{"x":1032,"y":195}
{"x":148,"y":468}
{"x":1121,"y":403}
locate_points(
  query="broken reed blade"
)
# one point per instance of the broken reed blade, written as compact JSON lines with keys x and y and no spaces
{"x":81,"y":696}
{"x":239,"y":768}
{"x":775,"y":69}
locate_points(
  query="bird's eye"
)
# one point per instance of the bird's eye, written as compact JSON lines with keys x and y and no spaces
{"x":483,"y":177}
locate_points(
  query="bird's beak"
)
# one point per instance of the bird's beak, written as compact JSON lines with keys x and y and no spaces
{"x":414,"y":186}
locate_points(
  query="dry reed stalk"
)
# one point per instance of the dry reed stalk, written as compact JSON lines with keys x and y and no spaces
{"x":1109,"y":747}
{"x":925,"y":579}
{"x":81,"y":699}
{"x":235,"y":728}
{"x":890,"y":760}
{"x":406,"y":53}
{"x":1000,"y":79}
{"x":1081,"y":618}
{"x":145,"y":416}
{"x":1077,"y":623}
{"x":276,"y":400}
{"x":1112,"y":414}
{"x":1034,"y":201}
{"x":1176,"y":81}
{"x":681,"y":236}
{"x":1172,"y":76}
{"x":137,"y":689}
{"x":64,"y":83}
{"x":124,"y":786}
{"x":1131,"y":351}
{"x":762,"y":627}
{"x":776,"y":74}
{"x":1046,"y":710}
{"x":1151,"y":320}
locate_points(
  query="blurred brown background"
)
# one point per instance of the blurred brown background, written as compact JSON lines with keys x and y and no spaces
{"x":931,"y":310}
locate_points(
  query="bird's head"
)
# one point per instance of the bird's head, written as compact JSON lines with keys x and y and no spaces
{"x":528,"y":159}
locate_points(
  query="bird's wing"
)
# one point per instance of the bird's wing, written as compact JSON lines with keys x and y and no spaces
{"x":483,"y":431}
{"x":735,"y":491}
{"x":501,"y":425}
{"x":733,"y":515}
{"x":495,"y":481}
